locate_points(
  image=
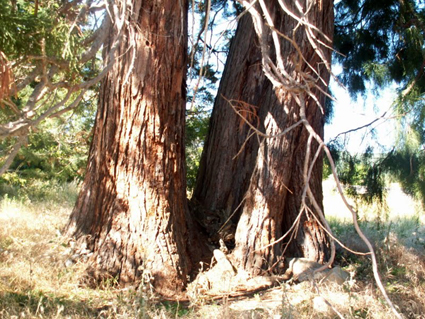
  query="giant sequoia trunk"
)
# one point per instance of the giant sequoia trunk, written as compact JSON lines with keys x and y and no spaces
{"x":266,"y":176}
{"x":132,"y":206}
{"x":228,"y":156}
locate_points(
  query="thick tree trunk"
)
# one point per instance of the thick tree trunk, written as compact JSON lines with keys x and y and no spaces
{"x":132,"y":206}
{"x":274,"y":197}
{"x":267,"y":176}
{"x":228,"y":156}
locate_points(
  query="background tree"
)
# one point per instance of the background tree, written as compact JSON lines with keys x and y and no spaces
{"x":224,"y":174}
{"x":209,"y":46}
{"x":382,"y":42}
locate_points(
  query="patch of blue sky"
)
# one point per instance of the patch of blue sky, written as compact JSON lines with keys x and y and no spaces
{"x":350,"y":114}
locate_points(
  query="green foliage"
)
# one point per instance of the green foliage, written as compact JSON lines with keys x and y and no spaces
{"x":41,"y":304}
{"x":369,"y":172}
{"x":361,"y":174}
{"x":196,"y":131}
{"x":335,"y":149}
{"x":33,"y":190}
{"x":329,"y":108}
{"x":57,"y":150}
{"x":47,"y":38}
{"x":26,"y":34}
{"x":22,"y":30}
{"x":408,"y":168}
{"x":175,"y":309}
{"x":375,"y":41}
{"x":48,"y":35}
{"x":383,"y":41}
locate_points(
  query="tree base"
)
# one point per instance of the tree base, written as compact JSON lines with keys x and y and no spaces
{"x":224,"y":279}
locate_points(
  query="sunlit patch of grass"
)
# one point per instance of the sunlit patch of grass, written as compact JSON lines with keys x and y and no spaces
{"x":397,"y":233}
{"x":41,"y":191}
{"x":33,"y":279}
{"x":34,"y":282}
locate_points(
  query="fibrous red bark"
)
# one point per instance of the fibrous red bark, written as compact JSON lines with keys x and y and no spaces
{"x":132,"y":206}
{"x":266,"y":178}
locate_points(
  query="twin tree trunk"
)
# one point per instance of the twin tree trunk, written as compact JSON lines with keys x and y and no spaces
{"x":132,"y":210}
{"x":132,"y":207}
{"x":260,"y":181}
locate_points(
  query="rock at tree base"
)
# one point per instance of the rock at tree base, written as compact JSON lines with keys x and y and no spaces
{"x":303,"y":269}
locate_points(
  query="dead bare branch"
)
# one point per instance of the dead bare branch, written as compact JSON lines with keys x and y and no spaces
{"x":59,"y":88}
{"x":300,"y":88}
{"x":360,"y":127}
{"x":10,"y":157}
{"x":259,"y":133}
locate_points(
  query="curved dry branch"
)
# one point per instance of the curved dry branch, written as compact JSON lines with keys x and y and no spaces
{"x":302,"y":21}
{"x":97,"y":40}
{"x":204,"y":50}
{"x":299,"y":90}
{"x":308,"y":169}
{"x":59,"y":86}
{"x":11,"y":156}
{"x":362,"y":235}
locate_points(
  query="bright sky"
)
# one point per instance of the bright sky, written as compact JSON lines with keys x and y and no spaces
{"x":349,"y":114}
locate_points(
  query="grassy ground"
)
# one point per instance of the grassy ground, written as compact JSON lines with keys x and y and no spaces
{"x":35,"y":283}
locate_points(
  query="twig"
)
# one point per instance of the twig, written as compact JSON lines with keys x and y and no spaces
{"x":204,"y":49}
{"x":21,"y":141}
{"x":361,"y":127}
{"x":281,"y":79}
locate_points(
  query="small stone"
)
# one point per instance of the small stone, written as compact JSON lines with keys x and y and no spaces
{"x":69,"y":263}
{"x":223,"y":263}
{"x":303,"y":269}
{"x":337,"y":275}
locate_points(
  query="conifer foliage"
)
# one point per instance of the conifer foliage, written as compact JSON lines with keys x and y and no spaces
{"x":382,"y":42}
{"x":50,"y":65}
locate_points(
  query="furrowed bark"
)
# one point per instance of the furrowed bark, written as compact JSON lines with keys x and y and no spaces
{"x":132,"y":207}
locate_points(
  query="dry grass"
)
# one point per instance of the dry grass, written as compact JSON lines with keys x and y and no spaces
{"x":34,"y":282}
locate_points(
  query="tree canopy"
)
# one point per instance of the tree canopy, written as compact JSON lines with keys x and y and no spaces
{"x":379,"y":43}
{"x":51,"y":63}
